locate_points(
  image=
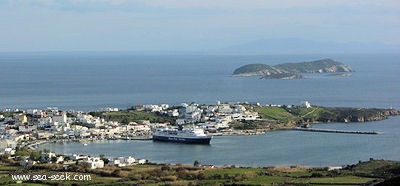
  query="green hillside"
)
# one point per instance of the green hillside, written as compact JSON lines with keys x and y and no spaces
{"x":292,"y":70}
{"x":251,"y":68}
{"x":318,"y":66}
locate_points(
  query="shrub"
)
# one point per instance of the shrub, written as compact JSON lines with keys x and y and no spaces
{"x":135,"y":177}
{"x":169,"y":178}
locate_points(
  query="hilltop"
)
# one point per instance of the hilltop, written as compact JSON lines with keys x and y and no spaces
{"x":292,"y":70}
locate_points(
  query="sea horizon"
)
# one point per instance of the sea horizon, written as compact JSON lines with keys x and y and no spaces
{"x":94,"y":81}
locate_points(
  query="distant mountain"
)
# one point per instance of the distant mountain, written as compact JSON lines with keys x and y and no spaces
{"x":292,"y":70}
{"x":306,"y":46}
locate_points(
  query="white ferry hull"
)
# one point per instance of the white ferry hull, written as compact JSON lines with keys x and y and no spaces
{"x":179,"y":139}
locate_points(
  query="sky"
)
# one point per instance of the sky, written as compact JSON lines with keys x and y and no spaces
{"x":190,"y":25}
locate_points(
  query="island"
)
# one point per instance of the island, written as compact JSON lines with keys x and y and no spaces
{"x":293,"y":70}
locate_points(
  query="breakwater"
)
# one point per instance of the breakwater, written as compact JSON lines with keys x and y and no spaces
{"x":336,"y":131}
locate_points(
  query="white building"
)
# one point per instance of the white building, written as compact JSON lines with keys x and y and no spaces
{"x":141,"y":128}
{"x":21,"y":118}
{"x":110,"y":109}
{"x":153,"y":108}
{"x":141,"y":161}
{"x":94,"y":162}
{"x":51,"y":111}
{"x":89,"y":119}
{"x":225,"y":109}
{"x":35,"y":113}
{"x":60,"y":118}
{"x":306,"y":104}
{"x":45,"y":122}
{"x":27,"y":128}
{"x":173,"y":113}
{"x":76,"y":157}
{"x":9,"y":151}
{"x":122,"y":161}
{"x":43,"y":135}
{"x":164,"y":106}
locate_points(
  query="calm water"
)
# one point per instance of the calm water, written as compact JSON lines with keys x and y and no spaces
{"x":272,"y":149}
{"x":92,"y":81}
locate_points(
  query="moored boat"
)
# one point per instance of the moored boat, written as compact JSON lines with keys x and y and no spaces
{"x":181,"y":135}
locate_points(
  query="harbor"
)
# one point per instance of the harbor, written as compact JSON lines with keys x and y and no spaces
{"x":274,"y":148}
{"x":335,"y":131}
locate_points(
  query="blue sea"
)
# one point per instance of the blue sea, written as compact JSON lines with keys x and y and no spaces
{"x":91,"y":81}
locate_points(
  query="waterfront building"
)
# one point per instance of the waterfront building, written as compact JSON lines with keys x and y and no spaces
{"x":26,"y":128}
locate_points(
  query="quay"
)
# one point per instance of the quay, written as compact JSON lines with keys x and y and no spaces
{"x":335,"y":131}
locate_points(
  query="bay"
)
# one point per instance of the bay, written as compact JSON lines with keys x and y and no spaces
{"x":90,"y":81}
{"x":276,"y":148}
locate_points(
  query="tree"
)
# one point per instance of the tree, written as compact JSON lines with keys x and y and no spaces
{"x":125,"y":121}
{"x":103,"y":157}
{"x":83,"y":167}
{"x":54,"y":159}
{"x":21,"y":151}
{"x":196,"y":163}
{"x":35,"y":155}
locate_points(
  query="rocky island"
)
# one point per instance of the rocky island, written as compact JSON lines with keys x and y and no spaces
{"x":292,"y":70}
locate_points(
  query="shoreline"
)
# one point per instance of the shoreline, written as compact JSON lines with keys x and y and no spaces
{"x":222,"y":134}
{"x":138,"y":123}
{"x":144,"y":154}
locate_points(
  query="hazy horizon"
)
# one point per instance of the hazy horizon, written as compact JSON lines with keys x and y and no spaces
{"x":208,"y":25}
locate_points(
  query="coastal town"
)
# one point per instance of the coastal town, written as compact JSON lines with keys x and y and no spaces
{"x":31,"y":127}
{"x":22,"y":132}
{"x":27,"y":129}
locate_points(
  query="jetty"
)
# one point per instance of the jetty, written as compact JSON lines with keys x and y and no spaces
{"x":335,"y":131}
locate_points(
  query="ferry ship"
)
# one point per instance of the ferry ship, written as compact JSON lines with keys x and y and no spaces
{"x":181,"y":135}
